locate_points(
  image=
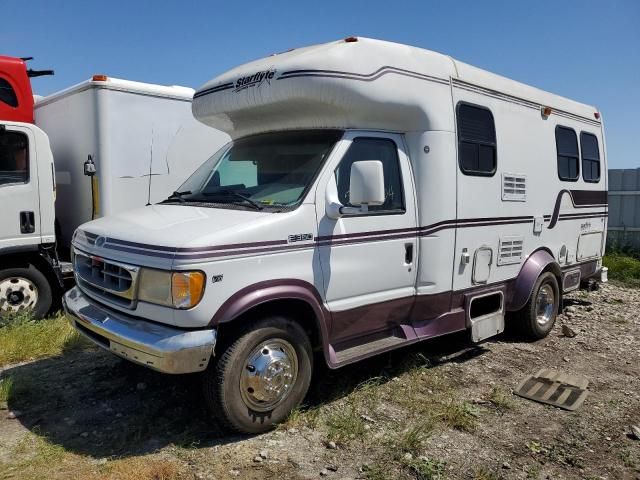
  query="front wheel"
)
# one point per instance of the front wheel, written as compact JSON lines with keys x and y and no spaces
{"x":260,"y":377}
{"x":24,"y":290}
{"x":537,"y":317}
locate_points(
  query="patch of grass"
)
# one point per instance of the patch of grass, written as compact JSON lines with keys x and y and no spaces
{"x":6,"y":387}
{"x":501,"y":399}
{"x":377,"y":471}
{"x":461,"y":416}
{"x":412,"y":440}
{"x":623,"y":268}
{"x":345,"y":424}
{"x":24,"y":339}
{"x":301,"y":417}
{"x":425,"y":468}
{"x":141,"y":468}
{"x":483,"y":473}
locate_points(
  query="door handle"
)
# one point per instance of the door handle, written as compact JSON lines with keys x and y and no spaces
{"x":408,"y":253}
{"x":27,"y":222}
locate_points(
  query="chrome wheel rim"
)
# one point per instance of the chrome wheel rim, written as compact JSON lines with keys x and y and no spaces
{"x":268,"y":375}
{"x":17,"y":294}
{"x":545,"y":303}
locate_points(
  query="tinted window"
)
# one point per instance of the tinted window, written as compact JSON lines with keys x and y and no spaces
{"x":476,"y":140}
{"x":14,"y":158}
{"x":590,"y":157}
{"x":381,"y":149}
{"x":7,"y":93}
{"x":567,"y":149}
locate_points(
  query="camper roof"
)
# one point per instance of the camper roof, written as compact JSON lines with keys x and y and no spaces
{"x":102,"y":81}
{"x":356,"y":83}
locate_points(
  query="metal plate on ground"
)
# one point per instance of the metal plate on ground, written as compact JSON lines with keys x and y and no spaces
{"x":555,"y":388}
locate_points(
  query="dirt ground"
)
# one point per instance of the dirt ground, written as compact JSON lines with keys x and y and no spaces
{"x":442,"y":409}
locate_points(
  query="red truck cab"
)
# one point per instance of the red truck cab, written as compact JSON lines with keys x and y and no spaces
{"x":16,"y":97}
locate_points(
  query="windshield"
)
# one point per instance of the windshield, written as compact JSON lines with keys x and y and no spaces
{"x":267,"y":170}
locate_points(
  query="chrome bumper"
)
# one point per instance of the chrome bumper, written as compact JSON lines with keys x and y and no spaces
{"x":163,"y":348}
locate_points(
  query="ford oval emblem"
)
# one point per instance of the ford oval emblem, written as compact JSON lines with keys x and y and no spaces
{"x":100,"y":241}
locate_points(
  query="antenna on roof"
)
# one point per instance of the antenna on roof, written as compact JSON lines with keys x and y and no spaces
{"x":38,"y":73}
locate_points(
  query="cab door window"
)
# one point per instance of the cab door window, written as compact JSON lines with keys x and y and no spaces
{"x":14,"y":158}
{"x":384,"y":150}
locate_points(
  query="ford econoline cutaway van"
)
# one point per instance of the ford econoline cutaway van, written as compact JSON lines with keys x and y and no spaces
{"x":373,"y":195}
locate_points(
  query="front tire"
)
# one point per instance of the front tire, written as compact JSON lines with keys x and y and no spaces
{"x":537,"y":317}
{"x":261,"y":377}
{"x":24,"y":290}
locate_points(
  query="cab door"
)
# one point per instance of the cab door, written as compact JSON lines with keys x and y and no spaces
{"x":19,"y":197}
{"x":368,"y":260}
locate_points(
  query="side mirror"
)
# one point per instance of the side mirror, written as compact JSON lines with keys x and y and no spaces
{"x":366,"y":185}
{"x":366,"y":188}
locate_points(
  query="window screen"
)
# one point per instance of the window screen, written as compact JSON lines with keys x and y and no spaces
{"x":567,"y":149}
{"x":381,"y":149}
{"x":476,"y":140}
{"x":590,"y":157}
{"x":7,"y":93}
{"x":14,"y":158}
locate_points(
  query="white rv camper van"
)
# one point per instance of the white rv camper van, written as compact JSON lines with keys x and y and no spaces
{"x":374,"y":195}
{"x":143,"y":143}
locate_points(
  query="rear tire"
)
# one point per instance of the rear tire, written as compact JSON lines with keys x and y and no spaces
{"x":536,"y":319}
{"x":25,"y":289}
{"x":260,"y":377}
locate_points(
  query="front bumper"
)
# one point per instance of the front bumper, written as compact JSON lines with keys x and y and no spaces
{"x":163,"y":348}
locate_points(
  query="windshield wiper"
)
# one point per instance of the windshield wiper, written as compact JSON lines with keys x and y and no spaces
{"x":223,"y":193}
{"x":179,"y":196}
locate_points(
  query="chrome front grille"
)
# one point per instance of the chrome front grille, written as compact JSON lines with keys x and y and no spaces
{"x":113,"y":281}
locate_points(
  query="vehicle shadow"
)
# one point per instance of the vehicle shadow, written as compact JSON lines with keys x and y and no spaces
{"x":92,"y":403}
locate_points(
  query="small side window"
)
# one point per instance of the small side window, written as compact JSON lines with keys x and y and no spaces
{"x":7,"y":93}
{"x":14,"y":158}
{"x":386,"y":151}
{"x":477,"y":150}
{"x":590,"y":157}
{"x":567,"y":150}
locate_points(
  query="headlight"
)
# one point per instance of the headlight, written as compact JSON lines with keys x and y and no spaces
{"x":174,"y":289}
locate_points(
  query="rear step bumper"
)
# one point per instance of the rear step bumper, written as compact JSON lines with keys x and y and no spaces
{"x":163,"y":348}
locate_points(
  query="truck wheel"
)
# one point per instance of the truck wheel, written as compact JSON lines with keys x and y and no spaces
{"x":24,"y":289}
{"x":537,"y":317}
{"x":260,"y":377}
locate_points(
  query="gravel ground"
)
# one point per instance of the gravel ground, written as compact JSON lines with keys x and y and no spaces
{"x":443,"y":409}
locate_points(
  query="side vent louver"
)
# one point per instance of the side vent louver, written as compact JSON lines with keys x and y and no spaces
{"x":510,"y":250}
{"x":514,"y":187}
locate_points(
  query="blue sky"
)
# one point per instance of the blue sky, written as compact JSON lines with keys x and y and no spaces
{"x":584,"y":49}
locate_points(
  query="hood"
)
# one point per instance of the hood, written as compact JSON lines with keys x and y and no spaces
{"x":157,"y":235}
{"x":174,"y":226}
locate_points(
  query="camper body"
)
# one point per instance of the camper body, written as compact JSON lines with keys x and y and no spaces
{"x":142,"y":139}
{"x":374,"y":195}
{"x":143,"y":142}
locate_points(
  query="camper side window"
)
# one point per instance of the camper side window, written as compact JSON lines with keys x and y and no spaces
{"x":477,"y":150}
{"x":590,"y":157}
{"x":14,"y":158}
{"x":386,"y":151}
{"x":567,"y":149}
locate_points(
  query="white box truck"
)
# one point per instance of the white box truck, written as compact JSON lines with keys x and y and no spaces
{"x":374,"y":195}
{"x":142,"y":140}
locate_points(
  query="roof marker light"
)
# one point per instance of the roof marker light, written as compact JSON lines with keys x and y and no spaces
{"x":350,"y":39}
{"x":597,"y":115}
{"x":99,"y":78}
{"x":546,"y":111}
